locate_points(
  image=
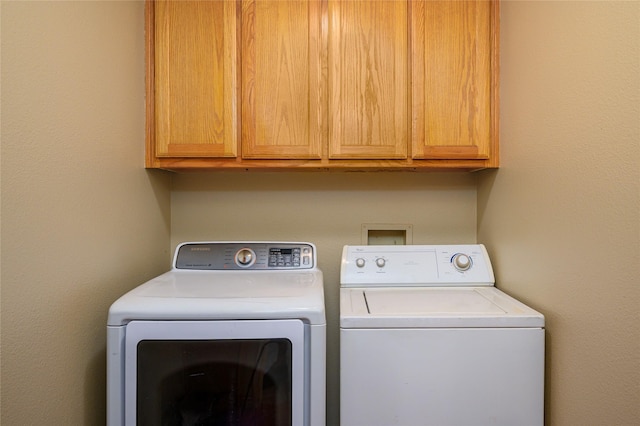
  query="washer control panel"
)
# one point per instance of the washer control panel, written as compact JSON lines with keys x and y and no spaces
{"x":416,"y":265}
{"x":244,"y":256}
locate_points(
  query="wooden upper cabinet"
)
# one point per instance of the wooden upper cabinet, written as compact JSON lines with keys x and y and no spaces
{"x":281,"y":79}
{"x":194,"y":78}
{"x":454,"y":111}
{"x":368,"y":79}
{"x":322,"y":84}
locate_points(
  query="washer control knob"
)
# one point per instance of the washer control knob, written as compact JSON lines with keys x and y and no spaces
{"x":461,"y":262}
{"x":245,"y":257}
{"x":380,"y":262}
{"x":360,"y":262}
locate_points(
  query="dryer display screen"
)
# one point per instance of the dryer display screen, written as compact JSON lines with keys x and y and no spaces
{"x":284,"y":257}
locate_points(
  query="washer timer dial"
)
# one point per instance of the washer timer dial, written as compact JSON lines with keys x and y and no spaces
{"x":461,"y":262}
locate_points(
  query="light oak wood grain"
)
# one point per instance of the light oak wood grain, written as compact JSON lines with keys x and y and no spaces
{"x":322,"y":85}
{"x":452,"y":79}
{"x":281,"y":71}
{"x":368,"y":79}
{"x":195,"y":83}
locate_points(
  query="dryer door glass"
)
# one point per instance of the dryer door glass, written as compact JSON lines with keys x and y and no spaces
{"x":215,"y":378}
{"x":214,"y":382}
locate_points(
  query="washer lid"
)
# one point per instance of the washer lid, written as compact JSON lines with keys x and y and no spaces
{"x":433,"y":307}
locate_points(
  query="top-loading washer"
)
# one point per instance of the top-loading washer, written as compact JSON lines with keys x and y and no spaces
{"x":233,"y":334}
{"x":427,"y":339}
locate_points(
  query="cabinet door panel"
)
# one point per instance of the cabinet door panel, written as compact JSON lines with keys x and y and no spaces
{"x":195,"y":83}
{"x":281,"y":71}
{"x":452,"y":69}
{"x":368,"y":79}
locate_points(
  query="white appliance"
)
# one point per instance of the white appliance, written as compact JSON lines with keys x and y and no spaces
{"x":234,"y":334}
{"x":426,"y":339}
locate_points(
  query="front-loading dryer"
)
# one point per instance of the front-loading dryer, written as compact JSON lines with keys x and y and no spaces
{"x":426,"y":339}
{"x":233,"y":334}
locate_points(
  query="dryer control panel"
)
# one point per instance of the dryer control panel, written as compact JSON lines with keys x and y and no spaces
{"x":416,"y":265}
{"x":245,"y":255}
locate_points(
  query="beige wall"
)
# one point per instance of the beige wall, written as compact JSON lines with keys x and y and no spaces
{"x":328,"y":210}
{"x":561,"y":217}
{"x":82,"y":221}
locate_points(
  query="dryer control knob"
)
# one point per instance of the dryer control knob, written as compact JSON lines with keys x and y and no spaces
{"x":245,"y":257}
{"x":360,"y":262}
{"x":380,"y":262}
{"x":461,"y":262}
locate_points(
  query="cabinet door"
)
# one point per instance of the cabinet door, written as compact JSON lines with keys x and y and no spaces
{"x":281,"y":70}
{"x":195,"y":78}
{"x":452,"y":79}
{"x":368,"y":79}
